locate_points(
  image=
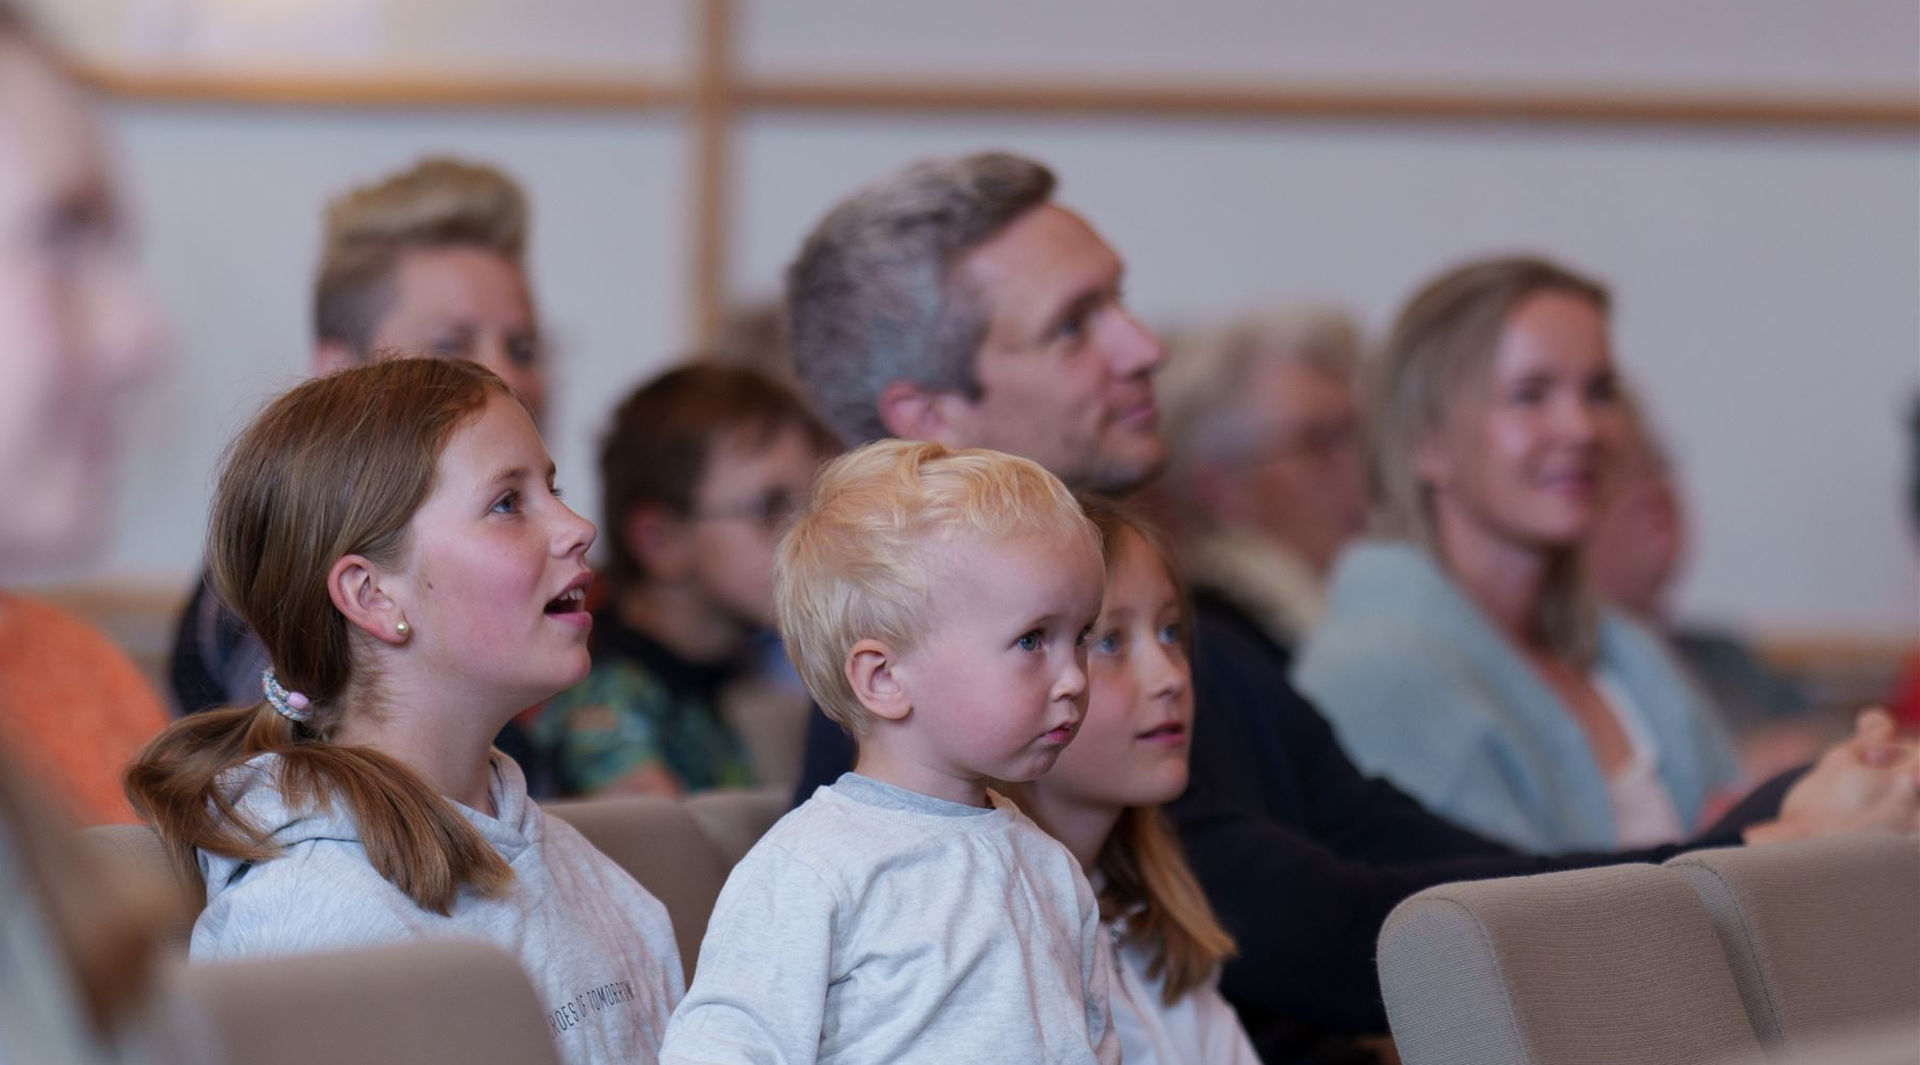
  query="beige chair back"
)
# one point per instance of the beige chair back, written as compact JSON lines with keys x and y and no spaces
{"x":679,"y":851}
{"x":1822,"y":935}
{"x":1616,"y":964}
{"x":138,"y":849}
{"x":1897,"y":1044}
{"x":427,"y":1002}
{"x":734,"y":820}
{"x":661,"y":845}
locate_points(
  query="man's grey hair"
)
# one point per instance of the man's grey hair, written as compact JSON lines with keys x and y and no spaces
{"x":873,"y":297}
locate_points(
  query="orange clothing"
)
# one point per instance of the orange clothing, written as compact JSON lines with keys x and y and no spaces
{"x":73,"y":709}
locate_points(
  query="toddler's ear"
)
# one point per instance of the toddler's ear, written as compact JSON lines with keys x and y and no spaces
{"x":870,"y":672}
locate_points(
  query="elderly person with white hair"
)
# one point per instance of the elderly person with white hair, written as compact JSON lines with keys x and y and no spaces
{"x":1266,"y":472}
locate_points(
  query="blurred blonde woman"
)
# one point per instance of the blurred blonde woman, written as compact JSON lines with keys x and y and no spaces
{"x":1463,"y":658}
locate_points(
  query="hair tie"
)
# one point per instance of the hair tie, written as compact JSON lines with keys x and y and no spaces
{"x":291,"y":705}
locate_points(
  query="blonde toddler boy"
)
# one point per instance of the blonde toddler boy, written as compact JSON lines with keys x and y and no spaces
{"x":936,"y":604}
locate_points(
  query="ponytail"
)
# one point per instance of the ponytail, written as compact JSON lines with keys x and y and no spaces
{"x":413,"y":836}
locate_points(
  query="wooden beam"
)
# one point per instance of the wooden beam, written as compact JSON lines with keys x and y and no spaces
{"x":908,"y":95}
{"x":712,"y":122}
{"x":347,"y":89}
{"x":1389,"y":104}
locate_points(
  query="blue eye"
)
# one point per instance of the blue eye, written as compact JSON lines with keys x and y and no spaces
{"x":1173,"y":634}
{"x":1108,"y":643}
{"x":523,"y":351}
{"x":506,"y":504}
{"x":1030,"y":641}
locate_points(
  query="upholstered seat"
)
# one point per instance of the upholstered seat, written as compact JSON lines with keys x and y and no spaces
{"x":426,"y":1002}
{"x":1616,"y":964}
{"x":136,"y":849}
{"x":734,"y":820}
{"x":1823,"y":936}
{"x":661,"y":845}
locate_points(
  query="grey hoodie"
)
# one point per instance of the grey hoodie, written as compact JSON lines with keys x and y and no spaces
{"x":598,"y":948}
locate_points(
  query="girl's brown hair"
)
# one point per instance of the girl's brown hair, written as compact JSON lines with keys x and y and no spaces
{"x":335,"y":467}
{"x":1148,"y":884}
{"x":1439,"y":354}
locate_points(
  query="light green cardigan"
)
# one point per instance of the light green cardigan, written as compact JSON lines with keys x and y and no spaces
{"x":1423,"y":691}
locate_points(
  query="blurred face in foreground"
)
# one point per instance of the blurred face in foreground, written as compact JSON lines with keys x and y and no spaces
{"x":77,"y":325}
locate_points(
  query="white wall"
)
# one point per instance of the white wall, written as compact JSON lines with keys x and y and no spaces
{"x":231,"y":205}
{"x":1767,"y":281}
{"x":1766,"y":289}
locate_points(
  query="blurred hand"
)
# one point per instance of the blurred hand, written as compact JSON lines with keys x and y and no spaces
{"x":1869,"y":782}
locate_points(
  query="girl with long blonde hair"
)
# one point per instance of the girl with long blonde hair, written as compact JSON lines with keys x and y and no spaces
{"x":1102,"y":800}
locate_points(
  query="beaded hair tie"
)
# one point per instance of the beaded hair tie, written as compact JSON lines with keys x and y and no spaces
{"x":291,"y":705}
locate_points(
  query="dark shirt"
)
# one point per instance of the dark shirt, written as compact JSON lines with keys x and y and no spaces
{"x":216,"y":660}
{"x":1302,"y":855}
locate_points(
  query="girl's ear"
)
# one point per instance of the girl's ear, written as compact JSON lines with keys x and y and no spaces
{"x":871,"y":673}
{"x":354,"y":585}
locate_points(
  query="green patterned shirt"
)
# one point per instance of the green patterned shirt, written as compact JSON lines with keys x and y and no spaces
{"x":642,"y":717}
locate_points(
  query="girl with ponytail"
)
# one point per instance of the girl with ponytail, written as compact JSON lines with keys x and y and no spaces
{"x":1102,"y":800}
{"x":393,"y":535}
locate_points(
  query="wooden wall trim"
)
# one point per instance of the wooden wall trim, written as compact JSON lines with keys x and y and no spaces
{"x":712,"y":109}
{"x":1162,"y":100}
{"x":383,"y":90}
{"x":1449,"y":104}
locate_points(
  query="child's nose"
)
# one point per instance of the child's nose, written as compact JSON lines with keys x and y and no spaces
{"x":1167,"y":675}
{"x":574,"y":533}
{"x":1072,"y":680}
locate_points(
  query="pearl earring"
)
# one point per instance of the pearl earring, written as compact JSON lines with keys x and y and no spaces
{"x":403,"y":630}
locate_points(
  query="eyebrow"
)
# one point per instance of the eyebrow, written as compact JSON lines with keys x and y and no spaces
{"x":1080,"y":305}
{"x":1041,"y":622}
{"x":521,"y":473}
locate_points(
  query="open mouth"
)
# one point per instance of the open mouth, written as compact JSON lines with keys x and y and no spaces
{"x":571,"y":601}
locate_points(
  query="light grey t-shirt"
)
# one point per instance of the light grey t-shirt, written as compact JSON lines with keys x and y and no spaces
{"x":598,"y":948}
{"x":876,"y":925}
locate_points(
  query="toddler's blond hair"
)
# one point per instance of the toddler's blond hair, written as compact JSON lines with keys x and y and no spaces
{"x":861,"y":561}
